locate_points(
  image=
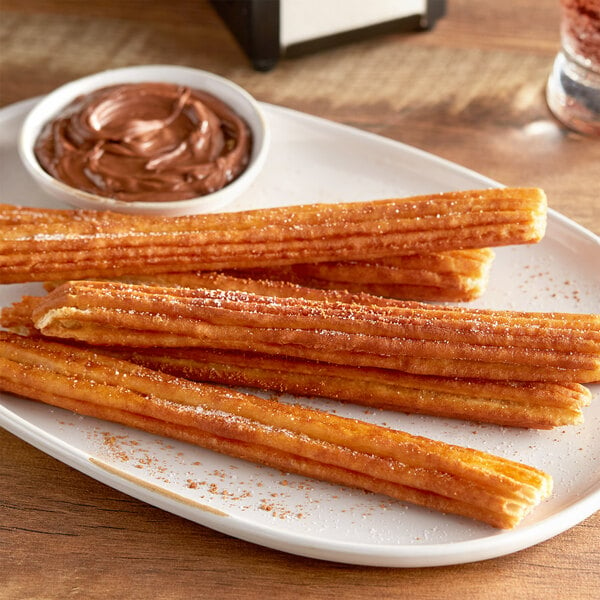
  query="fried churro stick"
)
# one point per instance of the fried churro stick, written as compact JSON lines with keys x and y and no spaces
{"x":453,"y":276}
{"x":18,"y":317}
{"x":417,"y":338}
{"x":512,"y":404}
{"x":515,"y":404}
{"x":92,"y":244}
{"x":456,"y":276}
{"x":434,"y":474}
{"x":232,"y":281}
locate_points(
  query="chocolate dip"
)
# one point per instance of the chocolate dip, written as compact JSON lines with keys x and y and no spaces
{"x":151,"y":142}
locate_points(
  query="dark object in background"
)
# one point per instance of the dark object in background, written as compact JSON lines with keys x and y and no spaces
{"x":269,"y":29}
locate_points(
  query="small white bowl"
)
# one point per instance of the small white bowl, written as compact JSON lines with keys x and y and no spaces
{"x":230,"y":93}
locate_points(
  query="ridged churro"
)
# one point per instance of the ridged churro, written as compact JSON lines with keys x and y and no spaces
{"x":453,"y":276}
{"x":313,"y":443}
{"x":513,"y":404}
{"x":415,"y":338}
{"x":42,"y":245}
{"x":18,"y":317}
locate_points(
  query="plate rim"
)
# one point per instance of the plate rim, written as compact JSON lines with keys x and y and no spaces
{"x":491,"y":546}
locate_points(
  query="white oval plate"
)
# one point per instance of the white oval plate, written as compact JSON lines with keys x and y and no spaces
{"x":312,"y":160}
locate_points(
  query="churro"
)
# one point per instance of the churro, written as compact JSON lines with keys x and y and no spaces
{"x":536,"y":405}
{"x":453,"y":276}
{"x":87,"y":244}
{"x":18,"y":317}
{"x":412,"y":337}
{"x":437,"y":475}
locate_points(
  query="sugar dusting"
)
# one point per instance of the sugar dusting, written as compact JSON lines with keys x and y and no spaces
{"x":239,"y":485}
{"x":161,"y":461}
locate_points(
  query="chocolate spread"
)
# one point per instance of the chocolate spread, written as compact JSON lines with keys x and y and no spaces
{"x":150,"y":142}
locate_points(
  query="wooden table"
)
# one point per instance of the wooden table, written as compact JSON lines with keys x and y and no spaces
{"x":472,"y":91}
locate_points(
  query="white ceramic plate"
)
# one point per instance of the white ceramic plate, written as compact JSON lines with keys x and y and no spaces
{"x":312,"y":160}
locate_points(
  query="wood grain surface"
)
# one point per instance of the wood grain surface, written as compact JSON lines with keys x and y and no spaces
{"x":471,"y":91}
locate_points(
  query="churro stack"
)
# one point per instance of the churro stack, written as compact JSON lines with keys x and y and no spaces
{"x":308,"y":300}
{"x":544,"y":397}
{"x":426,"y":247}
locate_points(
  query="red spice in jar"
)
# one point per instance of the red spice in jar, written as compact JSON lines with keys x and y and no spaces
{"x":581,"y":30}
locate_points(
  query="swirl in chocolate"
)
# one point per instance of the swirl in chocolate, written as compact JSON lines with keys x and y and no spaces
{"x":151,"y":142}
